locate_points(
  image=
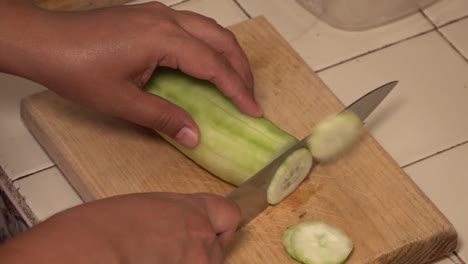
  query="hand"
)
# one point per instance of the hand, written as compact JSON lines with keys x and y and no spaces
{"x":133,"y":229}
{"x":102,"y":58}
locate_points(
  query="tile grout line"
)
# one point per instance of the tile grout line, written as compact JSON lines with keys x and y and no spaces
{"x":435,"y":154}
{"x":32,"y":173}
{"x":179,"y":3}
{"x":458,"y":258}
{"x":235,"y":2}
{"x":449,"y":22}
{"x":427,"y":18}
{"x":375,"y":50}
{"x":243,"y":9}
{"x":444,"y":37}
{"x":449,"y":258}
{"x":385,"y":46}
{"x":452,"y":45}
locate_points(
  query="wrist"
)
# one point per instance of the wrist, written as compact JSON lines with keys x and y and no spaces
{"x":60,"y":239}
{"x":14,"y":3}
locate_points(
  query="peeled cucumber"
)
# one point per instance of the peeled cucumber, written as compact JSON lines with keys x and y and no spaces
{"x":317,"y":242}
{"x":233,"y":146}
{"x":334,"y":136}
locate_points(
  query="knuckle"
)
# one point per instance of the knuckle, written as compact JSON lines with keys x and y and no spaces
{"x":156,"y":18}
{"x":202,"y":231}
{"x":168,"y":26}
{"x":222,"y":74}
{"x":163,"y":121}
{"x":210,"y":20}
{"x":230,"y":37}
{"x":156,"y":5}
{"x":210,"y":236}
{"x":230,"y":42}
{"x":205,"y":19}
{"x":221,"y":64}
{"x":188,"y":13}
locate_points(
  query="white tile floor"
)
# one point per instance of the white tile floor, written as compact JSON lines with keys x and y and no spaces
{"x":166,"y":2}
{"x":446,"y":11}
{"x":20,"y":154}
{"x":424,"y":115}
{"x":456,"y":34}
{"x":321,"y":45}
{"x":444,"y":178}
{"x":425,"y":112}
{"x":47,"y":192}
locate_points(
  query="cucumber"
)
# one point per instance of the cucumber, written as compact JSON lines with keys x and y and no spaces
{"x":334,"y":136}
{"x":287,"y":178}
{"x":233,"y":146}
{"x":317,"y":242}
{"x":287,"y":235}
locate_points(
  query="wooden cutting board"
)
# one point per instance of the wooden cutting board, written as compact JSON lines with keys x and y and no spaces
{"x":365,"y":193}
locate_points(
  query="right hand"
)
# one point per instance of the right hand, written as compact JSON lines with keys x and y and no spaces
{"x":135,"y":229}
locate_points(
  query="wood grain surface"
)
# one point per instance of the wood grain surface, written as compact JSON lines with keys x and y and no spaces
{"x":366,"y":193}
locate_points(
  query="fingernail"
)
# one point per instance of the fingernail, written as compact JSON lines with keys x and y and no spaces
{"x":187,"y":137}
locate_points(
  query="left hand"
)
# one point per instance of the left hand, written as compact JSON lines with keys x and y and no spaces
{"x":102,"y":58}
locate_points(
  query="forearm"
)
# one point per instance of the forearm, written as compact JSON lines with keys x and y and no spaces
{"x":19,"y":28}
{"x":59,"y":240}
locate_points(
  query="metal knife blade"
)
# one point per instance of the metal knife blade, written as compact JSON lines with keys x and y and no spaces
{"x":251,"y":196}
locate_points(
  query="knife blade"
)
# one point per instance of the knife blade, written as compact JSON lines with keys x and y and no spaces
{"x":251,"y":196}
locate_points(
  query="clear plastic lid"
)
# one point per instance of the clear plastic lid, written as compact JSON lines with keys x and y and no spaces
{"x":357,"y":15}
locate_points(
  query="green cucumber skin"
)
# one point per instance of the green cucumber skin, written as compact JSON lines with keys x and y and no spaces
{"x":233,"y":146}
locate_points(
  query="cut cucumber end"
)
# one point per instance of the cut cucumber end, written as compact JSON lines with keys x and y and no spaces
{"x":317,"y":242}
{"x":292,"y":171}
{"x":334,"y":136}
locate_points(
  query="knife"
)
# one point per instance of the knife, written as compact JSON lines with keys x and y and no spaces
{"x":251,"y":196}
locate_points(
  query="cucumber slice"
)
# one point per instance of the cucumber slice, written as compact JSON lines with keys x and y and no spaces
{"x":293,"y":170}
{"x":335,"y":135}
{"x":317,"y":242}
{"x":287,"y":235}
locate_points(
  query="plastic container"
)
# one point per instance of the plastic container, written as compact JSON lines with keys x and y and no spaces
{"x":355,"y":15}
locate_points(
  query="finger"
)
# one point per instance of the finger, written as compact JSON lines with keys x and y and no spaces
{"x":159,"y":114}
{"x":199,"y":253}
{"x":219,"y":38}
{"x":226,"y":238}
{"x":199,"y":60}
{"x":216,"y":254}
{"x":224,"y":216}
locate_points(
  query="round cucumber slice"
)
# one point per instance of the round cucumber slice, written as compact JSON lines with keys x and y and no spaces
{"x":292,"y":171}
{"x":335,"y":135}
{"x":317,"y":242}
{"x":287,"y":234}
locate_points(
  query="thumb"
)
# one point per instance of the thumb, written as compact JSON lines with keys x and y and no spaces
{"x":163,"y":116}
{"x":223,"y":214}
